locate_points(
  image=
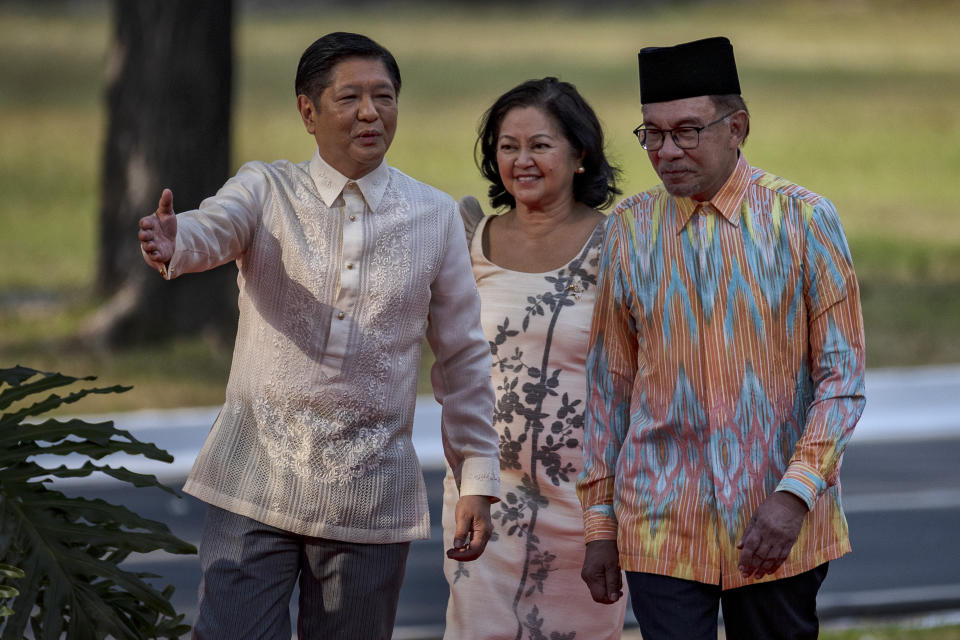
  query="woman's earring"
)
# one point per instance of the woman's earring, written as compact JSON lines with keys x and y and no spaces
{"x":580,"y":169}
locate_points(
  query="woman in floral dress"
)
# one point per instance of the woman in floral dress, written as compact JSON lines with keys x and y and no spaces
{"x":536,"y":270}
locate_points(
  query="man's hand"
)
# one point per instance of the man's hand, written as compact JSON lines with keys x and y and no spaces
{"x":770,"y":534}
{"x":158,"y":233}
{"x":601,"y":571}
{"x":474,"y":528}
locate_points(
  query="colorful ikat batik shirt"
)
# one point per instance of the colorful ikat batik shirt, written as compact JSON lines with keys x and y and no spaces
{"x":726,"y":363}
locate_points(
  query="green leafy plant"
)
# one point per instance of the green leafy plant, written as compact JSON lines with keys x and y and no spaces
{"x":6,"y":591}
{"x":70,"y":548}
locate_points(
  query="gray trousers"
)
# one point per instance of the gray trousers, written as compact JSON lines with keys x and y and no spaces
{"x":347,"y":590}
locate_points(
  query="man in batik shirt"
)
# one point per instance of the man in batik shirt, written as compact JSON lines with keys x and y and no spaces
{"x":725,"y":375}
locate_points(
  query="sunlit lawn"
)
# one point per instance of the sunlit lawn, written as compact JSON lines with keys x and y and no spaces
{"x":932,"y":627}
{"x":855,"y":100}
{"x":894,"y":632}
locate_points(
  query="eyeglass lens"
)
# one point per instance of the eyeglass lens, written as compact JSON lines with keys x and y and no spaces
{"x":684,"y":137}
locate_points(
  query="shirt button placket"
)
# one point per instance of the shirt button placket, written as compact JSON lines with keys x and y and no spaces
{"x":702,"y":236}
{"x":352,"y":241}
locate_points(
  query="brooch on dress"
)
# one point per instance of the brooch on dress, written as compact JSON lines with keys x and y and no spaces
{"x":576,"y":287}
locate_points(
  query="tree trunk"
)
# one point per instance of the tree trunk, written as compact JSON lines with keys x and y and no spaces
{"x":168,"y":101}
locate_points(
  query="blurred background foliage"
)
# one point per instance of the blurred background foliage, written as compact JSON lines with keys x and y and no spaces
{"x":854,"y":99}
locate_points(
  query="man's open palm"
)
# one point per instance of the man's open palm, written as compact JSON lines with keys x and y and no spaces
{"x":158,"y":233}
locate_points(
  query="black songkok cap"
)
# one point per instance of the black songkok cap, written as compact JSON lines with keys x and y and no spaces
{"x":699,"y":68}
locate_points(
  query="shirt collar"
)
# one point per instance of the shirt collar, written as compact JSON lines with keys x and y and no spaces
{"x":330,"y":182}
{"x":727,"y":200}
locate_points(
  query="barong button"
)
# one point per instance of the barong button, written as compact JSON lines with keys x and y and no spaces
{"x":340,"y":315}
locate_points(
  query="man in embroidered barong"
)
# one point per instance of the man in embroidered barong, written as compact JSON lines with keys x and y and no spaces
{"x":345,"y":264}
{"x":725,"y":375}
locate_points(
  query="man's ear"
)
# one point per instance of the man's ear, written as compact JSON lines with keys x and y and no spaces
{"x":307,"y":112}
{"x":739,"y":127}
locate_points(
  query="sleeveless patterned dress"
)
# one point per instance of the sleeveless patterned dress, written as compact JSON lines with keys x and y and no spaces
{"x":527,"y":583}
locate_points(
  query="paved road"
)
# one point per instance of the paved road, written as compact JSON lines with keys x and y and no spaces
{"x":901,"y":484}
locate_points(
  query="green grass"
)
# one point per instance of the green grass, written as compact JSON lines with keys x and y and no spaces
{"x":855,"y":100}
{"x":894,"y":632}
{"x":928,"y":627}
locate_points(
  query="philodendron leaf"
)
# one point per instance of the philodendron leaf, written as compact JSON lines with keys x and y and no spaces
{"x":8,"y":591}
{"x":17,"y":388}
{"x":54,"y":401}
{"x":71,"y":549}
{"x":76,"y":436}
{"x":10,"y":571}
{"x":138,"y":480}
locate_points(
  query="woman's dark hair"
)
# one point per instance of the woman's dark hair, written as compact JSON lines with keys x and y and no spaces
{"x":596,"y":186}
{"x":318,"y":61}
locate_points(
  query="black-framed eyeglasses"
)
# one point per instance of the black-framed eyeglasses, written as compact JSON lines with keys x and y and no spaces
{"x":683,"y":137}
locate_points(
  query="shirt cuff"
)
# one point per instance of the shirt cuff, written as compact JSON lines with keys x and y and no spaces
{"x":599,"y":523}
{"x":803,"y":481}
{"x":480,"y":477}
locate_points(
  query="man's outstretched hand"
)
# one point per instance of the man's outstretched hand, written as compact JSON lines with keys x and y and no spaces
{"x":158,"y":233}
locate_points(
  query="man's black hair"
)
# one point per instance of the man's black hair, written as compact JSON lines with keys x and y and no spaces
{"x":318,"y":61}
